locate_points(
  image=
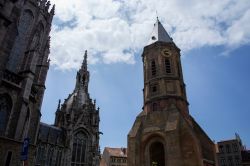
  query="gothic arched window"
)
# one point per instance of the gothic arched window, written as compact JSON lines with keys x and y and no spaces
{"x":5,"y":109}
{"x":79,"y":149}
{"x":20,"y":43}
{"x":36,"y":41}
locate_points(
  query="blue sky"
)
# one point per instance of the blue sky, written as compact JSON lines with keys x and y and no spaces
{"x":215,"y":44}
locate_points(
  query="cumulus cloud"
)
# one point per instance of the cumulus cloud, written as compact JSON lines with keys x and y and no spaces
{"x":114,"y":30}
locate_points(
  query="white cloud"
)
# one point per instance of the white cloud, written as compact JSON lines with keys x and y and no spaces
{"x":239,"y":32}
{"x":114,"y":30}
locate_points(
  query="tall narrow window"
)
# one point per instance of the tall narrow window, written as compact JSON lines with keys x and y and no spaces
{"x":50,"y":156}
{"x":179,"y":69}
{"x":26,"y":124}
{"x":38,"y":154}
{"x":230,"y":161}
{"x":37,"y":37}
{"x":58,"y":158}
{"x":168,"y":66}
{"x":5,"y":109}
{"x":235,"y":147}
{"x":33,"y":46}
{"x":228,"y":148}
{"x":154,"y":107}
{"x":41,"y":155}
{"x":221,"y":149}
{"x":223,"y":161}
{"x":153,"y":68}
{"x":8,"y":159}
{"x":19,"y":46}
{"x":237,"y":160}
{"x":154,"y":89}
{"x":79,"y":149}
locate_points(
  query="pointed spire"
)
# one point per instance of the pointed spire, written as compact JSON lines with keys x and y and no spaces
{"x":82,"y":80}
{"x":84,"y":62}
{"x":159,"y":33}
{"x":59,"y":104}
{"x":52,"y":11}
{"x":82,"y":76}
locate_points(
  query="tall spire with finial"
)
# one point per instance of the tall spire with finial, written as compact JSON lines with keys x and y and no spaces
{"x":82,"y":81}
{"x":59,"y":104}
{"x":84,"y":62}
{"x":156,"y":15}
{"x":159,"y":33}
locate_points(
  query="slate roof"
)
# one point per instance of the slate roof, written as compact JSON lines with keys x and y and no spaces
{"x":51,"y":134}
{"x":159,"y":34}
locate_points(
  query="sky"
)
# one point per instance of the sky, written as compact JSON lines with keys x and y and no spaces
{"x":214,"y":38}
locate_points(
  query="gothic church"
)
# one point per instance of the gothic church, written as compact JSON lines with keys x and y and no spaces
{"x":73,"y":140}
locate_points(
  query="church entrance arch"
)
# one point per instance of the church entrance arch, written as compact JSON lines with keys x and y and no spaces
{"x":157,"y":154}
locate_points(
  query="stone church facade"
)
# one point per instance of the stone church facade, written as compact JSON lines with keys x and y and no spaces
{"x":164,"y":133}
{"x":24,"y":49}
{"x":73,"y":140}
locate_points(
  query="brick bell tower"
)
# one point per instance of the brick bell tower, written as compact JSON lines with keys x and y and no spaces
{"x":163,"y":78}
{"x":164,"y":133}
